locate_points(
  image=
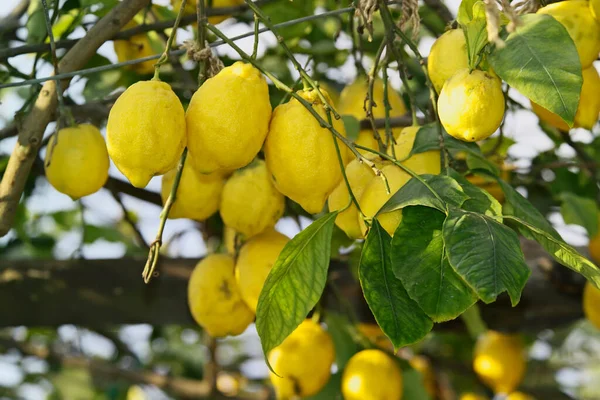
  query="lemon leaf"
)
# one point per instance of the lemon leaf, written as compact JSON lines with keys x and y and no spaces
{"x":479,"y":201}
{"x":486,"y":254}
{"x":580,"y":211}
{"x":419,"y":260}
{"x":529,"y":62}
{"x":295,"y":283}
{"x":400,"y":317}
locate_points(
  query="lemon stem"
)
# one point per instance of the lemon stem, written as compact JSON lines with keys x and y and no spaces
{"x":389,"y":135}
{"x":164,"y":57}
{"x":473,"y":321}
{"x":256,"y":26}
{"x":369,"y":102}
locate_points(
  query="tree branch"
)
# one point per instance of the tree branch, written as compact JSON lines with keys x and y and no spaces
{"x":35,"y":123}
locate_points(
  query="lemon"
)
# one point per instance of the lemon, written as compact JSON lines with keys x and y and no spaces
{"x":333,"y":93}
{"x":303,"y":361}
{"x":591,"y":304}
{"x":137,"y":46}
{"x":372,"y":375}
{"x":214,"y":298}
{"x":519,"y":396}
{"x":352,"y":102}
{"x":145,"y":132}
{"x":228,"y":119}
{"x":229,"y":239}
{"x":77,"y":161}
{"x":587,"y":110}
{"x":301,"y":154}
{"x":257,"y":257}
{"x":250,"y":203}
{"x":136,"y":392}
{"x":428,"y":162}
{"x":359,"y":175}
{"x":198,"y":195}
{"x":448,"y":55}
{"x":491,"y":185}
{"x":499,"y":361}
{"x":594,"y":246}
{"x":190,"y":8}
{"x":471,"y":105}
{"x":472,"y":396}
{"x":576,"y":16}
{"x":422,"y":364}
{"x":374,"y":333}
{"x":595,"y":9}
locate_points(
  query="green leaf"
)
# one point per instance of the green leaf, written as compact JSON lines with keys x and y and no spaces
{"x":476,"y":33}
{"x":562,"y":252}
{"x":295,"y":283}
{"x":465,"y":11}
{"x":339,"y":327}
{"x":399,"y":317}
{"x":352,"y":126}
{"x":282,"y":11}
{"x":36,"y":23}
{"x":414,"y":193}
{"x":100,"y":85}
{"x":95,"y":232}
{"x":413,"y":387}
{"x":480,"y":201}
{"x":580,"y":211}
{"x":486,"y":254}
{"x":529,"y":63}
{"x":501,"y":149}
{"x":419,"y":260}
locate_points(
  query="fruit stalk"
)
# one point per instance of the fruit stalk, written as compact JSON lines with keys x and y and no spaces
{"x":164,"y":57}
{"x":473,"y":321}
{"x":369,"y":99}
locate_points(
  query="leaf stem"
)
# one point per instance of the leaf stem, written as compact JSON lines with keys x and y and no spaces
{"x":164,"y":57}
{"x":369,"y":102}
{"x":473,"y":321}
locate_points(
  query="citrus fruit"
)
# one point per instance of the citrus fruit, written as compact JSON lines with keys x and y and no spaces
{"x":302,"y":372}
{"x":255,"y":260}
{"x":423,"y":366}
{"x":137,"y":46}
{"x":145,"y":133}
{"x":77,"y":161}
{"x":594,"y":246}
{"x":591,"y":304}
{"x":374,"y":333}
{"x":576,"y":16}
{"x":359,"y":174}
{"x":190,"y":8}
{"x":472,"y":396}
{"x":587,"y":110}
{"x":228,"y":119}
{"x":372,"y":375}
{"x":490,"y":185}
{"x":428,"y":162}
{"x":471,"y":105}
{"x":519,"y":396}
{"x":198,"y":195}
{"x":250,"y":203}
{"x":448,"y":55}
{"x":352,"y":102}
{"x":214,"y":298}
{"x":595,"y":9}
{"x":333,"y":93}
{"x":301,"y":154}
{"x":229,"y":239}
{"x":499,"y":361}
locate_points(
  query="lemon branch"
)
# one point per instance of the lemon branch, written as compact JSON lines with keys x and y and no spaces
{"x":390,"y":140}
{"x":164,"y":57}
{"x":369,"y":102}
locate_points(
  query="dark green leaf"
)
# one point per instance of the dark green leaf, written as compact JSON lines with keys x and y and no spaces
{"x":559,"y":250}
{"x":331,"y":391}
{"x":36,"y":23}
{"x":528,"y":62}
{"x":352,"y":126}
{"x":413,"y":385}
{"x":580,"y":211}
{"x":414,"y":192}
{"x":339,"y":327}
{"x":419,"y":260}
{"x":295,"y":283}
{"x":486,"y":254}
{"x":480,"y":201}
{"x":399,"y":317}
{"x":95,"y":232}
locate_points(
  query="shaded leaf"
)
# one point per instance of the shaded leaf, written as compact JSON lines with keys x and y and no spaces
{"x":580,"y":211}
{"x":480,"y":201}
{"x":352,"y":126}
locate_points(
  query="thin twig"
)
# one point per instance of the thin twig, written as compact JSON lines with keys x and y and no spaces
{"x":127,"y":218}
{"x":369,"y":102}
{"x":164,"y":57}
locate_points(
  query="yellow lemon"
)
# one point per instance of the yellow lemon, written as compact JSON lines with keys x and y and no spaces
{"x":352,"y":102}
{"x":472,"y":396}
{"x":591,"y":304}
{"x":145,"y":133}
{"x":77,"y":161}
{"x":250,"y":203}
{"x":595,"y":9}
{"x":302,"y":372}
{"x":257,"y":257}
{"x":499,"y":361}
{"x":471,"y":105}
{"x":428,"y":162}
{"x":137,"y":46}
{"x":214,"y":298}
{"x":422,"y":364}
{"x":372,"y":375}
{"x":198,"y":195}
{"x":359,"y":175}
{"x":301,"y":154}
{"x":190,"y":8}
{"x":448,"y":55}
{"x":576,"y":16}
{"x":587,"y":110}
{"x":594,"y":246}
{"x":228,"y":119}
{"x":374,"y":333}
{"x":333,"y":93}
{"x":519,"y":396}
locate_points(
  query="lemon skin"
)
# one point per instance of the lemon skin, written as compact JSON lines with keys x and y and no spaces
{"x":448,"y":55}
{"x":372,"y":375}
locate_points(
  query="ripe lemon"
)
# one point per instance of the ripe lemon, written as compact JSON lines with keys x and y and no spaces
{"x":491,"y":185}
{"x":428,"y":162}
{"x":145,"y":133}
{"x":499,"y":361}
{"x":352,"y":102}
{"x":372,"y":375}
{"x":448,"y":55}
{"x":228,"y":119}
{"x":595,"y":9}
{"x":472,"y":396}
{"x":137,"y":46}
{"x":190,"y":8}
{"x":519,"y":396}
{"x":333,"y":93}
{"x":591,"y":304}
{"x":250,"y":203}
{"x":257,"y":257}
{"x":214,"y":298}
{"x":587,"y":110}
{"x":594,"y":246}
{"x":471,"y":105}
{"x":303,"y":361}
{"x":374,"y":333}
{"x":422,"y":364}
{"x":576,"y":16}
{"x":359,"y":175}
{"x":77,"y":161}
{"x":198,"y":195}
{"x":301,"y":154}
